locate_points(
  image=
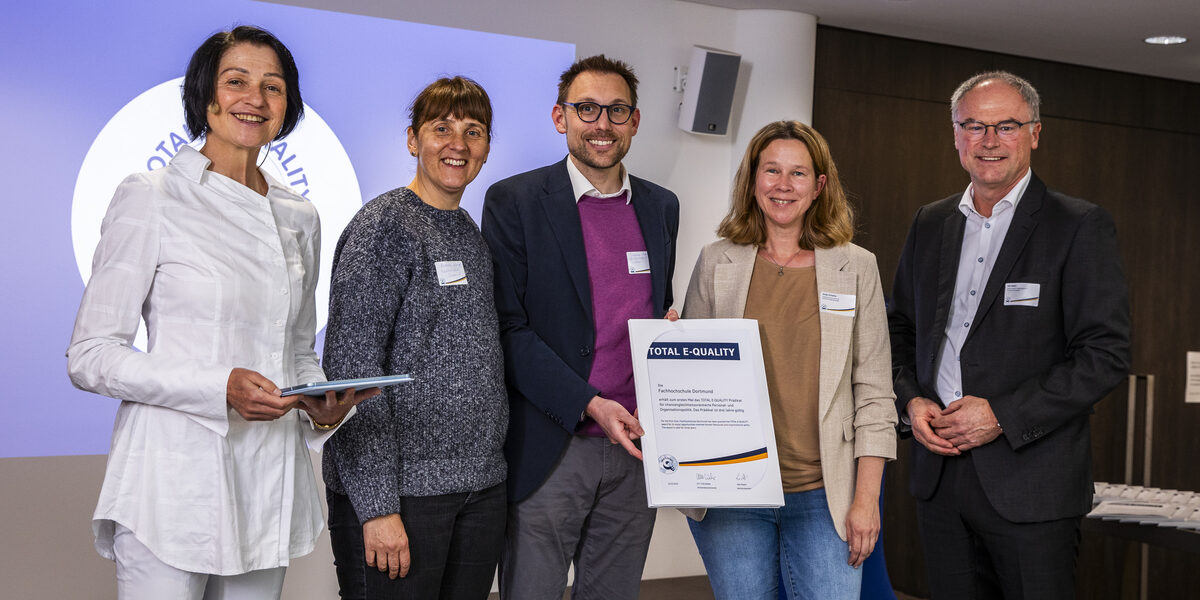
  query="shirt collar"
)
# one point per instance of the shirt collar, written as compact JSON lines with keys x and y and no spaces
{"x":193,"y":165}
{"x":966,"y":204}
{"x":581,"y":187}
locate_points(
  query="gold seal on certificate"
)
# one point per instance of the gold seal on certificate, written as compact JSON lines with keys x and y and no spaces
{"x":702,"y":399}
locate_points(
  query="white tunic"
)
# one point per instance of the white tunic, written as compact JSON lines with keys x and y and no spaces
{"x":224,"y":278}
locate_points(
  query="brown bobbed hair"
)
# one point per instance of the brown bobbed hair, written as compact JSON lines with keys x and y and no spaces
{"x":457,"y":96}
{"x":827,"y":223}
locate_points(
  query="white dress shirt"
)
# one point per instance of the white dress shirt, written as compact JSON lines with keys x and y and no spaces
{"x":581,"y":187}
{"x":982,"y":239}
{"x":224,"y":278}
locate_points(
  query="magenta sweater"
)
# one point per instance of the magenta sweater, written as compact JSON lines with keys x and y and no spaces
{"x":610,"y":231}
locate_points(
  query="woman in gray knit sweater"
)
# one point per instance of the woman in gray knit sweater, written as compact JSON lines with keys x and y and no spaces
{"x":415,"y":481}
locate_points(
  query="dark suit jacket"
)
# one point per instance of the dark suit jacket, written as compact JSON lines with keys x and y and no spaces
{"x":544,"y":301}
{"x":1041,"y":368}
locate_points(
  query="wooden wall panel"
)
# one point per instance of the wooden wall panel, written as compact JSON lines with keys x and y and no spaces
{"x":1127,"y":142}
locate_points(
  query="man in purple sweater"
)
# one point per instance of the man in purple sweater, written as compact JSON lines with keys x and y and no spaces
{"x":579,"y":247}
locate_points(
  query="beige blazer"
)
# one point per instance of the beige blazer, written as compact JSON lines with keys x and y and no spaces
{"x":857,"y":406}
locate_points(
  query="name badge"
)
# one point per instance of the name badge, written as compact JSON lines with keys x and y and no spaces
{"x":639,"y":262}
{"x":837,"y":304}
{"x":450,"y":272}
{"x":1022,"y":294}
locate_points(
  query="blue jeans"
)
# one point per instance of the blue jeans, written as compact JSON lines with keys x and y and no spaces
{"x":746,"y":550}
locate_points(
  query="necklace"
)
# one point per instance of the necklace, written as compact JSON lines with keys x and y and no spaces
{"x":767,"y":255}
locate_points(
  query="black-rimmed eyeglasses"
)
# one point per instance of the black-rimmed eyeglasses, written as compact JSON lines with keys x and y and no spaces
{"x":1004,"y":129}
{"x":589,"y":112}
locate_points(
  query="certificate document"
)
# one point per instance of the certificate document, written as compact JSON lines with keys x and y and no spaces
{"x":702,"y":399}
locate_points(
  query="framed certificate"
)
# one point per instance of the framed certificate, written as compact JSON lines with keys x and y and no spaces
{"x":702,"y":399}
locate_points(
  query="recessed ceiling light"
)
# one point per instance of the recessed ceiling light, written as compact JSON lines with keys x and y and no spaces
{"x":1166,"y":40}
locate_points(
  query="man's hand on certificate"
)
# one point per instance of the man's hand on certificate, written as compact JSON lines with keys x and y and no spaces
{"x":620,"y":426}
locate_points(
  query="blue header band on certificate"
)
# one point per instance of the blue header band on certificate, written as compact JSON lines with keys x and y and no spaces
{"x":695,"y":350}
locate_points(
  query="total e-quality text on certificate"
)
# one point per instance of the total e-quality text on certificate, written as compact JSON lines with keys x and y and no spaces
{"x":702,"y":399}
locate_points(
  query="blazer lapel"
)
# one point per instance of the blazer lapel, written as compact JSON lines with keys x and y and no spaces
{"x":563,"y":214}
{"x":731,"y":281}
{"x":1022,"y":226}
{"x":655,"y":237}
{"x":836,"y":330}
{"x":952,"y":236}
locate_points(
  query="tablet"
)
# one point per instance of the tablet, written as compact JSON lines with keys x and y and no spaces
{"x":318,"y":388}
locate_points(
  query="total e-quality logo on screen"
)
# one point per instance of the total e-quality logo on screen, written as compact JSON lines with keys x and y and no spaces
{"x":148,"y":131}
{"x":99,"y":103}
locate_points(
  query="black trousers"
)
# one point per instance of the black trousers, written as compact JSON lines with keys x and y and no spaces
{"x":971,"y":552}
{"x":454,"y":543}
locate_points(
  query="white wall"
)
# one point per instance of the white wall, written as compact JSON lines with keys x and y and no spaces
{"x":46,"y":506}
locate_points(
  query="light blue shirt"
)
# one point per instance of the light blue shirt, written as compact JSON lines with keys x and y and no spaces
{"x":982,"y":239}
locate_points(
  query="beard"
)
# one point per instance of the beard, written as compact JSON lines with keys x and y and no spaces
{"x":583,"y":152}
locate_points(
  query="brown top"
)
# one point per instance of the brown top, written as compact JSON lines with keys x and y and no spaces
{"x":786,"y":308}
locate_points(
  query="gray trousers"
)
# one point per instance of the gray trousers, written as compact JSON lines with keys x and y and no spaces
{"x":591,"y":511}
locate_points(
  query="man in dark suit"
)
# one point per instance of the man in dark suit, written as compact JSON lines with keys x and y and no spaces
{"x":1009,"y":321}
{"x":579,"y":247}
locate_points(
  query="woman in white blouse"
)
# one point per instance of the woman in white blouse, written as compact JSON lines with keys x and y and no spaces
{"x":209,"y":491}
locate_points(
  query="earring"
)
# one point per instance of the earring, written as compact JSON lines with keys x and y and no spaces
{"x":214,"y":108}
{"x":265,"y":155}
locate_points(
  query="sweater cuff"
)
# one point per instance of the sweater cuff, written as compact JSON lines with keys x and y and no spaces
{"x":369,"y":506}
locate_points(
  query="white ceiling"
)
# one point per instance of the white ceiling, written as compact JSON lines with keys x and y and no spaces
{"x":1098,"y":33}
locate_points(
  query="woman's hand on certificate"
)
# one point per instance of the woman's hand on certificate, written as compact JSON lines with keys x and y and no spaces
{"x":671,"y":315}
{"x":255,"y":397}
{"x":620,"y":426}
{"x":328,"y":411}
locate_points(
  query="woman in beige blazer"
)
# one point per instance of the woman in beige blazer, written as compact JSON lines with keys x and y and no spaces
{"x":785,"y":259}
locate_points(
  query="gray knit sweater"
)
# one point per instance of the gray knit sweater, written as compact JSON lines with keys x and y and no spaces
{"x":388,"y":314}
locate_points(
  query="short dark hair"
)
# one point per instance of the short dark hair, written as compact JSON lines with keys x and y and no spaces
{"x":600,"y":64}
{"x":200,"y":81}
{"x":457,"y":96}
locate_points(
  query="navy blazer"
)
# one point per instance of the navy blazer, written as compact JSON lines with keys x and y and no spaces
{"x":1041,"y":368}
{"x":544,"y":302}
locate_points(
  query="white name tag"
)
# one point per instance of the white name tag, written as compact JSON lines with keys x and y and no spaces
{"x":1022,"y":294}
{"x":450,"y":272}
{"x":837,"y":304}
{"x":639,"y":262}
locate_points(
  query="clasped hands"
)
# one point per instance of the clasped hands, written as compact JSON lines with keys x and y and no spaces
{"x":257,"y":398}
{"x":967,"y":423}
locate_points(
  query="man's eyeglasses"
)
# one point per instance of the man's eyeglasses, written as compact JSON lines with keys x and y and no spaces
{"x":589,"y":112}
{"x":1006,"y":130}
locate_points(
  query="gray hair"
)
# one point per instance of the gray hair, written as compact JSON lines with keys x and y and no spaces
{"x":1023,"y":87}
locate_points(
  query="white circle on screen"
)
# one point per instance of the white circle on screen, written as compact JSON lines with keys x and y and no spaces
{"x":149,"y":130}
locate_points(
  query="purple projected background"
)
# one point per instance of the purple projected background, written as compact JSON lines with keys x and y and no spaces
{"x":66,"y":68}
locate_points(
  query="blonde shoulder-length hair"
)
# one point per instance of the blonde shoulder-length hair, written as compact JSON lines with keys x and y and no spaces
{"x":827,"y":223}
